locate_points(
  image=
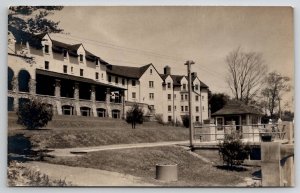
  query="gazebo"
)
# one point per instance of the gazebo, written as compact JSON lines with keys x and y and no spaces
{"x":237,"y":113}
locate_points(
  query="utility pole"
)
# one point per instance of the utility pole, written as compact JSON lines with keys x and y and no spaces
{"x":189,"y":63}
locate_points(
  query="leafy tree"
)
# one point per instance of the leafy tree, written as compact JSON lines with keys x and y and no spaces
{"x":246,"y":72}
{"x":276,"y":86}
{"x":186,"y":120}
{"x":135,"y":114}
{"x":233,"y":151}
{"x":33,"y":114}
{"x":26,"y":21}
{"x":217,"y":101}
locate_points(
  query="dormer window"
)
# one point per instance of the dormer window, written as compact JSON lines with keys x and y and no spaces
{"x":47,"y":49}
{"x":97,"y":62}
{"x":81,"y":72}
{"x":150,"y":71}
{"x":65,"y":53}
{"x":184,"y":86}
{"x":196,"y":86}
{"x":81,"y":58}
{"x":169,"y":85}
{"x":133,"y":82}
{"x":97,"y":75}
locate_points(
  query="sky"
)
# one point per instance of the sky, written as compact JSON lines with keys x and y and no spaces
{"x":135,"y":36}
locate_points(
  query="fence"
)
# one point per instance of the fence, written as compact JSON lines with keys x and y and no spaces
{"x":249,"y":133}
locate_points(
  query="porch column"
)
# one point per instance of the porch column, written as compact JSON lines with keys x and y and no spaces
{"x":16,"y":103}
{"x":123,"y":104}
{"x":32,"y":86}
{"x":57,"y":88}
{"x":76,"y":90}
{"x":107,"y":103}
{"x":57,"y":97}
{"x":93,"y":99}
{"x":15,"y":84}
{"x":76,"y":96}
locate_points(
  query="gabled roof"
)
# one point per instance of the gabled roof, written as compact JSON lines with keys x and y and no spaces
{"x":177,"y":79}
{"x":202,"y":84}
{"x":127,"y":71}
{"x":236,"y":108}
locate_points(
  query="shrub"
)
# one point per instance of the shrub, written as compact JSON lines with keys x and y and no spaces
{"x":159,"y":119}
{"x":186,"y":121}
{"x":34,"y":114}
{"x":135,"y":113}
{"x":233,"y":151}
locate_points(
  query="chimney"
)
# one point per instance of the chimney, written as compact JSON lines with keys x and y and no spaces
{"x":194,"y":74}
{"x":167,"y":70}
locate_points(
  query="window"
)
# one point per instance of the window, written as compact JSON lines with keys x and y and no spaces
{"x":71,"y":69}
{"x":133,"y":82}
{"x":197,"y":118}
{"x":97,"y":62}
{"x":197,"y":98}
{"x":186,"y":108}
{"x":102,"y":75}
{"x":81,"y":58}
{"x":203,"y":108}
{"x":203,"y":98}
{"x":169,"y":118}
{"x":169,"y":108}
{"x":123,"y":81}
{"x":117,"y":80}
{"x":196,"y":86}
{"x":133,"y":95}
{"x":65,"y":53}
{"x":151,"y":84}
{"x":169,"y":96}
{"x":182,"y":97}
{"x":150,"y":71}
{"x":97,"y":75}
{"x":186,"y":97}
{"x":182,"y":108}
{"x":197,"y":109}
{"x":169,"y":85}
{"x":81,"y":72}
{"x":47,"y":49}
{"x":175,"y":107}
{"x":174,"y":96}
{"x":65,"y":69}
{"x":47,"y":65}
{"x":151,"y":96}
{"x":184,"y":86}
{"x":109,"y":78}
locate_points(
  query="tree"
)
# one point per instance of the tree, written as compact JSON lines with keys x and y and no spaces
{"x":135,"y":115}
{"x":34,"y":114}
{"x":26,"y":21}
{"x":233,"y":151}
{"x":246,"y":72}
{"x":217,"y":101}
{"x":276,"y":86}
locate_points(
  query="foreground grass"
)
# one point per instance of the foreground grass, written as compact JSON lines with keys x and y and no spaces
{"x":141,"y":162}
{"x":82,"y":136}
{"x":18,"y":175}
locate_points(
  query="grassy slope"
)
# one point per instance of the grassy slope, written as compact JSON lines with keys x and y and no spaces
{"x":80,"y":133}
{"x":141,"y":162}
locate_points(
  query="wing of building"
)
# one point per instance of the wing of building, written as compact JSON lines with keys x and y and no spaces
{"x":73,"y":81}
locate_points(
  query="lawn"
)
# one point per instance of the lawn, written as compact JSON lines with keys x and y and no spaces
{"x":141,"y":162}
{"x":89,"y":133}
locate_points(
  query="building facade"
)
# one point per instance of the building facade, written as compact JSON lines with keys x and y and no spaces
{"x":73,"y":81}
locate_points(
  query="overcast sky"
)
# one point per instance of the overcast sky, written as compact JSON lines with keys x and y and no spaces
{"x":137,"y":36}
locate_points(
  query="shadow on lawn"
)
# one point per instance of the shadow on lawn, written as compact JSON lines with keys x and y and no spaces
{"x":233,"y":168}
{"x":20,"y":149}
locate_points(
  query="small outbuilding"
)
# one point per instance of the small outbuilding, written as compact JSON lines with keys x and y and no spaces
{"x":237,"y":113}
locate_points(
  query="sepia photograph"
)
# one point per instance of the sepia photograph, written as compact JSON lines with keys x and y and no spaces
{"x":150,"y":96}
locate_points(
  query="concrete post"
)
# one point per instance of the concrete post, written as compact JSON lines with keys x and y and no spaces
{"x":76,"y":96}
{"x":123,"y":104}
{"x":270,"y":164}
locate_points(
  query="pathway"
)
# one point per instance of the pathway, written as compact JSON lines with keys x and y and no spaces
{"x":79,"y":176}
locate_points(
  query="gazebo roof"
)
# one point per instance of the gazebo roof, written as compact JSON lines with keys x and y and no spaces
{"x":236,"y":108}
